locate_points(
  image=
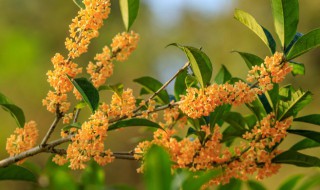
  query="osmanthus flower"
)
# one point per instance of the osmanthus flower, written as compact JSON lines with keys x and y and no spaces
{"x":123,"y":105}
{"x":124,"y":44}
{"x":23,"y":139}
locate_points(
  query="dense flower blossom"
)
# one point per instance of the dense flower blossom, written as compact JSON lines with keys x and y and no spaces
{"x":123,"y":44}
{"x":23,"y":139}
{"x":123,"y":105}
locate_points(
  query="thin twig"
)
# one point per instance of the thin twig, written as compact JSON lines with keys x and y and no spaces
{"x":76,"y":115}
{"x":51,"y":129}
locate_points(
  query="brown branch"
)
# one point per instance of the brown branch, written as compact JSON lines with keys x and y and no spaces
{"x":51,"y":129}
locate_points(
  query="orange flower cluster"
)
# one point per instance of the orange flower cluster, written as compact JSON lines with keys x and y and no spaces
{"x":23,"y":139}
{"x":273,"y":70}
{"x":122,"y":106}
{"x":122,"y":46}
{"x":246,"y":160}
{"x":200,"y":102}
{"x":85,"y":26}
{"x":89,"y":143}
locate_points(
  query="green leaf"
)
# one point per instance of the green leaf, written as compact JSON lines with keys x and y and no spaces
{"x":195,"y":183}
{"x":255,"y":185}
{"x":286,"y":18}
{"x":234,"y":184}
{"x":117,"y":88}
{"x":295,"y":39}
{"x":216,"y":116}
{"x":200,"y":63}
{"x":223,"y":75}
{"x":257,"y":108}
{"x":297,"y":68}
{"x":133,"y":122}
{"x":291,"y":182}
{"x":72,"y":125}
{"x":88,"y":92}
{"x":251,"y":120}
{"x":314,"y":135}
{"x":230,"y":133}
{"x":235,"y":119}
{"x":14,"y":110}
{"x":81,"y":104}
{"x":273,"y":96}
{"x":310,"y":183}
{"x":304,"y":44}
{"x":152,"y":85}
{"x":93,"y":177}
{"x":304,"y":144}
{"x":296,"y":158}
{"x":157,"y":169}
{"x":191,"y":81}
{"x":80,"y":4}
{"x":129,"y":11}
{"x":249,"y":21}
{"x":180,"y":85}
{"x":312,"y":119}
{"x":264,"y":101}
{"x":298,"y":100}
{"x":121,"y":187}
{"x":14,"y":172}
{"x":250,"y":59}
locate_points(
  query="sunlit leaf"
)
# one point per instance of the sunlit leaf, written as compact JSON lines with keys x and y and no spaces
{"x":223,"y":75}
{"x":295,"y":39}
{"x":291,"y":182}
{"x":152,"y":85}
{"x":93,"y":176}
{"x":14,"y":172}
{"x":80,"y":4}
{"x":286,"y":18}
{"x":191,"y":81}
{"x":88,"y":92}
{"x":297,"y":68}
{"x":250,"y":59}
{"x":133,"y":122}
{"x":304,"y":44}
{"x":255,"y":185}
{"x":304,"y":144}
{"x":249,"y":21}
{"x":129,"y":11}
{"x":117,"y":88}
{"x":296,"y":158}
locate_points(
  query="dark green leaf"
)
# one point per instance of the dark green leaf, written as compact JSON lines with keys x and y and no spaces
{"x":72,"y":125}
{"x":14,"y":172}
{"x":15,"y":112}
{"x":200,"y":63}
{"x":250,"y":59}
{"x":191,"y":81}
{"x":295,"y":39}
{"x":230,"y":133}
{"x":180,"y":85}
{"x":313,"y":119}
{"x":129,"y":11}
{"x":234,"y":184}
{"x":273,"y":96}
{"x":93,"y":177}
{"x":266,"y":105}
{"x":152,"y":85}
{"x":314,"y":135}
{"x":255,"y":185}
{"x":88,"y":92}
{"x":4,"y":99}
{"x":157,"y":169}
{"x":117,"y":88}
{"x":216,"y":116}
{"x":291,"y":182}
{"x":297,"y":101}
{"x":296,"y":158}
{"x":133,"y":122}
{"x":193,"y":183}
{"x":251,"y":120}
{"x":257,"y":108}
{"x":249,"y":21}
{"x":223,"y":75}
{"x":121,"y":187}
{"x":297,"y":68}
{"x":286,"y":18}
{"x":304,"y":144}
{"x":80,"y":4}
{"x":304,"y":44}
{"x":235,"y":119}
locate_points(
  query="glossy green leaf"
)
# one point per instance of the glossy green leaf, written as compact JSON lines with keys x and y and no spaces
{"x":295,"y":39}
{"x":291,"y":182}
{"x":251,"y":120}
{"x":223,"y":75}
{"x":88,"y":92}
{"x":296,"y":158}
{"x":298,"y":100}
{"x":312,"y":119}
{"x":250,"y":59}
{"x":81,"y":104}
{"x":304,"y":44}
{"x":265,"y":102}
{"x":234,"y":184}
{"x":14,"y":110}
{"x":297,"y":68}
{"x":286,"y":18}
{"x":191,"y":81}
{"x":133,"y":122}
{"x":72,"y":125}
{"x":304,"y":144}
{"x":255,"y":185}
{"x":195,"y":183}
{"x":129,"y":11}
{"x":257,"y":108}
{"x":117,"y":88}
{"x":180,"y":85}
{"x":157,"y":172}
{"x":200,"y":63}
{"x":230,"y":133}
{"x":217,"y":114}
{"x":249,"y":21}
{"x":14,"y":172}
{"x":80,"y":4}
{"x":152,"y":85}
{"x":273,"y":96}
{"x":235,"y":119}
{"x":314,"y":135}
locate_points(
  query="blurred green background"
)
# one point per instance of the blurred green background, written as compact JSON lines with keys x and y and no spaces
{"x":32,"y":31}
